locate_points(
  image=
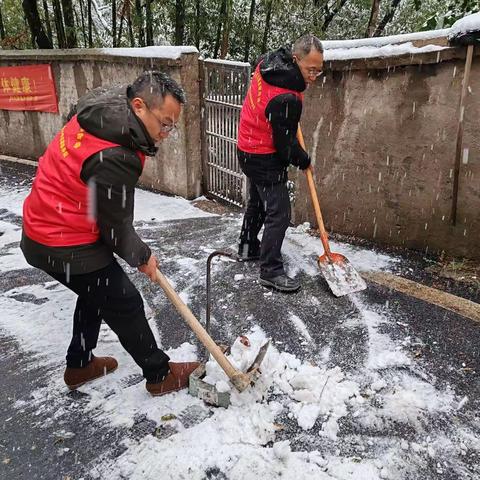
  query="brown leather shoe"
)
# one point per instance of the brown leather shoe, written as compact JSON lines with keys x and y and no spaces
{"x":98,"y":367}
{"x":176,"y":379}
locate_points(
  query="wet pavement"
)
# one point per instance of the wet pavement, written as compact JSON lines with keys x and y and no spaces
{"x":74,"y":439}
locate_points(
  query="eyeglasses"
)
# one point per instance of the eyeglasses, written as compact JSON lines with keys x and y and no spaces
{"x":164,"y":127}
{"x":313,"y":72}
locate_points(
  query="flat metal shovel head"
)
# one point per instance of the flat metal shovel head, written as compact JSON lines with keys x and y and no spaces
{"x":259,"y":358}
{"x":209,"y":393}
{"x":197,"y":387}
{"x":340,"y":275}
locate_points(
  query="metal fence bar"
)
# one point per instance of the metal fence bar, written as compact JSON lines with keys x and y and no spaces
{"x":224,"y":87}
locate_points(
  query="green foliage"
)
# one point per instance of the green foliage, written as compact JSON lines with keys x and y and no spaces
{"x":16,"y":29}
{"x":449,"y":12}
{"x":289,"y":20}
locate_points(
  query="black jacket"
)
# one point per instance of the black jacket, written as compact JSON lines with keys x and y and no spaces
{"x":283,"y":112}
{"x":105,"y":113}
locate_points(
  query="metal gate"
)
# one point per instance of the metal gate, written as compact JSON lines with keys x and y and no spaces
{"x":225,"y":85}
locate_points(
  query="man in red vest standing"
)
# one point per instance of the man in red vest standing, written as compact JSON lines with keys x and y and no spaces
{"x":80,"y":212}
{"x":267,"y":145}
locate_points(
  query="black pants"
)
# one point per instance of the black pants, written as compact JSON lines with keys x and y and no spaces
{"x":109,"y":295}
{"x":268,"y":205}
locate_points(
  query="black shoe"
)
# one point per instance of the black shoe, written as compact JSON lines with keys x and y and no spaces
{"x":282,"y":283}
{"x":248,"y":252}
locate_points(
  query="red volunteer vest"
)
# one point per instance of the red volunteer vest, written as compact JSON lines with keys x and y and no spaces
{"x":255,"y":131}
{"x":57,"y":211}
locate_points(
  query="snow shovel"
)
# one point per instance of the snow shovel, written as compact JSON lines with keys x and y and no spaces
{"x":240,"y":380}
{"x":339,"y":273}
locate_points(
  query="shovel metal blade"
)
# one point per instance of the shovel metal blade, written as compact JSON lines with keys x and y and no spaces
{"x":254,"y":370}
{"x":340,"y":275}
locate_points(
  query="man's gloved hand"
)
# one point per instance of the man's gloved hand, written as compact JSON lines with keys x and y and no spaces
{"x":304,"y":163}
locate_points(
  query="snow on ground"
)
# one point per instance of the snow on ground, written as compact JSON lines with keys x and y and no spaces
{"x":245,"y":441}
{"x":302,"y":248}
{"x":150,"y":207}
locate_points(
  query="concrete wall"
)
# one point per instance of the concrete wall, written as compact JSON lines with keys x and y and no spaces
{"x":177,"y":166}
{"x":382,"y":135}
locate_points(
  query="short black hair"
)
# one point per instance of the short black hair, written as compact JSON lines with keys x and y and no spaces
{"x":152,"y":86}
{"x":304,"y":45}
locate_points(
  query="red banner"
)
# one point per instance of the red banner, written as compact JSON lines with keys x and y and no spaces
{"x":29,"y":87}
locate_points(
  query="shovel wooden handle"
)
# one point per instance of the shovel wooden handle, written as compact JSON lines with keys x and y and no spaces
{"x":314,"y":196}
{"x":239,"y":379}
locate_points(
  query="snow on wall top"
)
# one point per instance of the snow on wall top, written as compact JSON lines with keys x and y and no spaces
{"x":168,"y":52}
{"x":397,"y":44}
{"x":376,"y":47}
{"x":375,"y":52}
{"x":228,"y":62}
{"x":470,"y":23}
{"x":383,"y":41}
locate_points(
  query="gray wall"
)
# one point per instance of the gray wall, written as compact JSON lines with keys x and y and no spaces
{"x":382,"y":134}
{"x":177,"y":166}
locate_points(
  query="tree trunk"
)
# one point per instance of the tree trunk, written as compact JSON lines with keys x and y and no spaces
{"x":120,"y":27}
{"x":82,"y":17}
{"x":180,"y":21}
{"x":90,"y":23}
{"x":39,"y":37}
{"x":331,"y":14}
{"x":114,"y":23}
{"x":69,"y":19}
{"x":267,"y":25}
{"x":373,"y":18}
{"x":139,"y":23}
{"x":226,"y":29}
{"x":57,"y":15}
{"x":221,"y":16}
{"x":47,"y":21}
{"x":149,"y":21}
{"x":387,"y":18}
{"x":2,"y":27}
{"x":197,"y":23}
{"x":130,"y":28}
{"x":249,"y":33}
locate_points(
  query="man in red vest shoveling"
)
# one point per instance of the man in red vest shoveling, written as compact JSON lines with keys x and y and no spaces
{"x":80,"y":212}
{"x":267,"y":145}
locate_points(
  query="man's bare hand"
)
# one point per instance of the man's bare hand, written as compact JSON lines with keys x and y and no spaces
{"x":150,"y":268}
